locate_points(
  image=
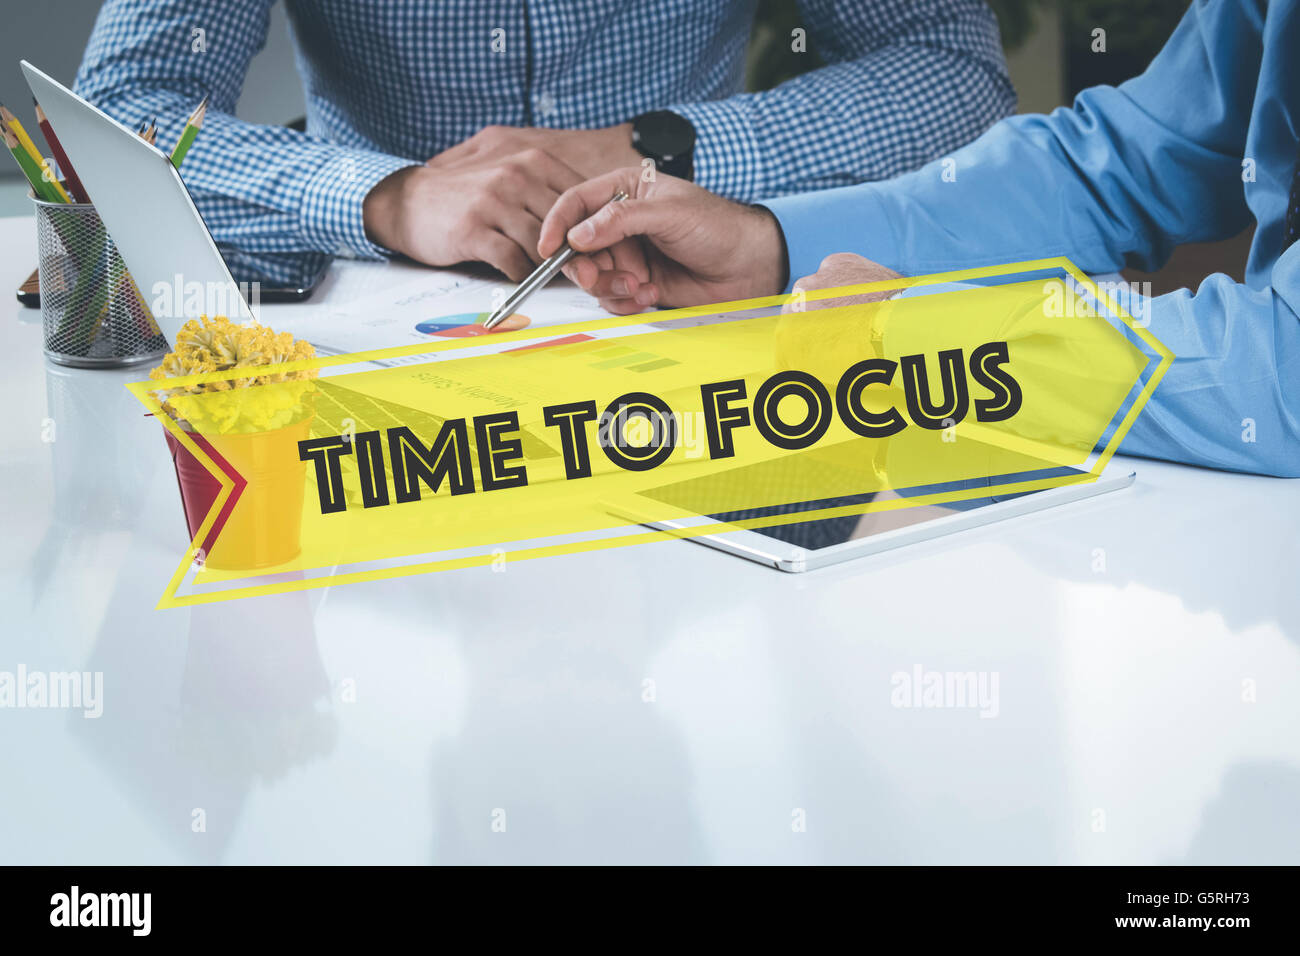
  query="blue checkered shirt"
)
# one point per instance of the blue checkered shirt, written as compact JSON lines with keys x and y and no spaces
{"x":391,"y":83}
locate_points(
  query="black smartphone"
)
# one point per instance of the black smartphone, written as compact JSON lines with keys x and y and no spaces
{"x":280,"y":276}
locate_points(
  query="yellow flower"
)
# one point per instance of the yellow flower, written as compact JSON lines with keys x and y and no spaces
{"x":250,"y":403}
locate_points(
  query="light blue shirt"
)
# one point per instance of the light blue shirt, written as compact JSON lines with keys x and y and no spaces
{"x":1191,"y":151}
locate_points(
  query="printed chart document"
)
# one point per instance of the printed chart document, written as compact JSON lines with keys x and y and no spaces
{"x":413,"y":305}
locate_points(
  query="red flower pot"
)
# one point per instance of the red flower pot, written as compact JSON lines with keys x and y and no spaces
{"x":260,"y":524}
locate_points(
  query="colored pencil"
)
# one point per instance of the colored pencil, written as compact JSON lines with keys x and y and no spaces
{"x":192,"y":127}
{"x":11,"y":123}
{"x":65,"y":165}
{"x":33,"y":172}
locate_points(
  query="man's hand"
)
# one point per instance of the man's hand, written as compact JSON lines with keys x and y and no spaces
{"x":490,"y":213}
{"x":820,"y":347}
{"x":669,"y":243}
{"x":836,"y":271}
{"x":590,"y":152}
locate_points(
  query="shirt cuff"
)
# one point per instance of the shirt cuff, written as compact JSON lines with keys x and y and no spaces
{"x":726,"y":158}
{"x":330,"y":216}
{"x":848,"y":219}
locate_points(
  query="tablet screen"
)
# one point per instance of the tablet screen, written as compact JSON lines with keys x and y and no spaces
{"x":699,"y":495}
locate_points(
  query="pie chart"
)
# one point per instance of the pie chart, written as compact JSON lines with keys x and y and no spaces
{"x":463,"y":324}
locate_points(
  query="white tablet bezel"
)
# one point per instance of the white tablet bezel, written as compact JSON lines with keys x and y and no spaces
{"x":784,"y":556}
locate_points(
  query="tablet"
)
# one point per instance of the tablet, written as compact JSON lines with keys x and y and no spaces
{"x":797,"y":546}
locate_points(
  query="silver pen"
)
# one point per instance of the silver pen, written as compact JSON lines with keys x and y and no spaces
{"x":540,"y":277}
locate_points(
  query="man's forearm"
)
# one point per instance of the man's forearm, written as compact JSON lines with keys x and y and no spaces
{"x":259,"y":187}
{"x":1121,"y":178}
{"x":906,"y":82}
{"x":1231,"y":399}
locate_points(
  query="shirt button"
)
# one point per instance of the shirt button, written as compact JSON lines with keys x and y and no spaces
{"x":545,"y":104}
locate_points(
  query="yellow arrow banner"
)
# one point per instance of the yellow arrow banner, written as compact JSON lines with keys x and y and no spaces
{"x":758,"y":413}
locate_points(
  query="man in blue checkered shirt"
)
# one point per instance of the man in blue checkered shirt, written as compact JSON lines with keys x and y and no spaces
{"x":445,"y":129}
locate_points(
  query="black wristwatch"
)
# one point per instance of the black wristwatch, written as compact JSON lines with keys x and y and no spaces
{"x":668,"y":139}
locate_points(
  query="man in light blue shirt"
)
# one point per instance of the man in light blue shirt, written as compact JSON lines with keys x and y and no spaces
{"x":1204,"y":141}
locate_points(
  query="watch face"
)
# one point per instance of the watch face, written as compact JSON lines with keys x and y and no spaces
{"x":664,"y":136}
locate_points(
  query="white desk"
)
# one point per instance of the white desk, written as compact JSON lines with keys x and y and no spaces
{"x":391,"y":721}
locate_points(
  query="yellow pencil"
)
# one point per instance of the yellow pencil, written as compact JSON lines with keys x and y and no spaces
{"x":29,"y":147}
{"x":24,"y":140}
{"x":40,"y":188}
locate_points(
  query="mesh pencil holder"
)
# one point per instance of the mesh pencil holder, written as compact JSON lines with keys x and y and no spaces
{"x":92,"y":313}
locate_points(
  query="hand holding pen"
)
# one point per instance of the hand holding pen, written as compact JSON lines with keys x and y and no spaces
{"x":671,"y":243}
{"x":542,"y":275}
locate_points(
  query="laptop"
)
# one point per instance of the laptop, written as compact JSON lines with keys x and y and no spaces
{"x":144,"y":204}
